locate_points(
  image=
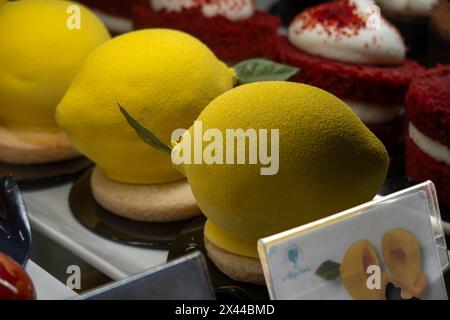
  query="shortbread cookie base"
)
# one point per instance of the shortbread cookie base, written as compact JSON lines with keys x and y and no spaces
{"x":236,"y":267}
{"x":23,"y":147}
{"x":167,"y":202}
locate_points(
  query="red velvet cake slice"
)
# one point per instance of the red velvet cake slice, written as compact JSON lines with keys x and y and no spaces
{"x":428,"y":142}
{"x":348,"y":49}
{"x":233,"y":29}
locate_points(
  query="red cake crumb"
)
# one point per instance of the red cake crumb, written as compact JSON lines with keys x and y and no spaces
{"x":231,"y":41}
{"x":428,"y":104}
{"x":372,"y":84}
{"x":340,"y":16}
{"x":422,"y":167}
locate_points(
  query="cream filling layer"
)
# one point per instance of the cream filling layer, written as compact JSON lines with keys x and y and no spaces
{"x":371,"y":113}
{"x":432,"y":148}
{"x":233,"y":10}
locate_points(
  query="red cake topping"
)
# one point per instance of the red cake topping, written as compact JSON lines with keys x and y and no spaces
{"x":231,"y":41}
{"x":373,"y":84}
{"x":428,"y":104}
{"x":341,"y":16}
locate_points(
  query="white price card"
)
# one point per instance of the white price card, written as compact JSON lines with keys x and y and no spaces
{"x":392,"y":248}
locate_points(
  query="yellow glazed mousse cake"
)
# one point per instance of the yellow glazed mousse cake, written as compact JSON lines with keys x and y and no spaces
{"x":164,"y":78}
{"x":328,"y":161}
{"x":39,"y":56}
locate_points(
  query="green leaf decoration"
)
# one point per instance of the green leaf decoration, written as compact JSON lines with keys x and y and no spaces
{"x":146,"y":135}
{"x":329,"y":270}
{"x":254,"y":70}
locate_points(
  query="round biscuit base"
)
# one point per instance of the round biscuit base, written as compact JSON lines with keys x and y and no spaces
{"x":236,"y":267}
{"x":22,"y":147}
{"x":167,"y":202}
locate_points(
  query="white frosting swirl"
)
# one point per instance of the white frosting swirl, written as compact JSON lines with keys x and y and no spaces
{"x":231,"y":9}
{"x":408,"y":5}
{"x":369,"y":39}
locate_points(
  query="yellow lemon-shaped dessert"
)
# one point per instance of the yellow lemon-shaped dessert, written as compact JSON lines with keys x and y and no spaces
{"x":163,"y":77}
{"x":328,"y":161}
{"x":39,"y":56}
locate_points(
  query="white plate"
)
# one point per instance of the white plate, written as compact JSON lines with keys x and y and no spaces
{"x":50,"y":214}
{"x":47,"y":287}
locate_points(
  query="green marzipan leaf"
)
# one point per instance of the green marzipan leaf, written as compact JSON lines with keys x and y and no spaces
{"x":329,"y":270}
{"x":146,"y":135}
{"x":254,"y":70}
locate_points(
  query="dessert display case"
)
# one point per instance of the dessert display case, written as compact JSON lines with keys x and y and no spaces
{"x":160,"y":143}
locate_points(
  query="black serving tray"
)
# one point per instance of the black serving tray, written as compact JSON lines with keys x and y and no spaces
{"x":113,"y":227}
{"x":190,"y":239}
{"x":15,"y":231}
{"x":45,"y":175}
